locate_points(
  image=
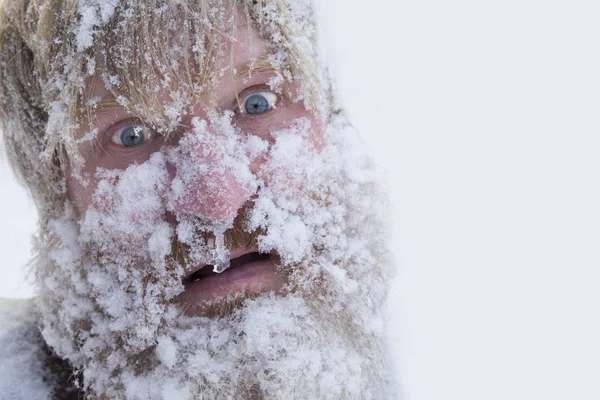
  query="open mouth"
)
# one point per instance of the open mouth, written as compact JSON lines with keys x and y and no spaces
{"x":207,"y":270}
{"x":250,"y":272}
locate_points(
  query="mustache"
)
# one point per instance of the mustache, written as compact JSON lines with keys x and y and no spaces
{"x":235,"y":237}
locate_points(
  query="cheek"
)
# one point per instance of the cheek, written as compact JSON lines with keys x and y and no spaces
{"x":80,"y":188}
{"x":286,"y":115}
{"x":120,"y":199}
{"x":284,"y":169}
{"x":297,"y":111}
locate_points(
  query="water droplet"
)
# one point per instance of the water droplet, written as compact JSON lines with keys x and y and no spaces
{"x":222,"y":254}
{"x":220,"y":266}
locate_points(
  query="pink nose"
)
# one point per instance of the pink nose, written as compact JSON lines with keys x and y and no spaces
{"x":207,"y":182}
{"x":217,"y":198}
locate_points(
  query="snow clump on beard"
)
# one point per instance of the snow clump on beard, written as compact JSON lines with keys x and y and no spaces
{"x":108,"y":299}
{"x":110,"y":272}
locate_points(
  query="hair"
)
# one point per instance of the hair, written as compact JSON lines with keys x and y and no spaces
{"x":52,"y":50}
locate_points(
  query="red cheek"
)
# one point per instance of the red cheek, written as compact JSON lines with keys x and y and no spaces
{"x":79,"y":194}
{"x":287,"y":177}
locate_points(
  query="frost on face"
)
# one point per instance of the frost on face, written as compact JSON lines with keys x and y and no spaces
{"x":319,"y":211}
{"x":290,"y":172}
{"x":116,"y":298}
{"x":213,"y":182}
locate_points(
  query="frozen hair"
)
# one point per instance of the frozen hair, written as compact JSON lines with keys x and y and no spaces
{"x":52,"y":50}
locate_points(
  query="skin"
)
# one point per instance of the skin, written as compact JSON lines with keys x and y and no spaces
{"x":231,"y":91}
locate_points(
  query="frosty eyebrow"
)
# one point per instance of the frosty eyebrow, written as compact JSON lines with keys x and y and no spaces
{"x":260,"y":65}
{"x":103,"y":107}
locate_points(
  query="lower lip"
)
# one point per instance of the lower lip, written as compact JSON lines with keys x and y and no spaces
{"x":256,"y":277}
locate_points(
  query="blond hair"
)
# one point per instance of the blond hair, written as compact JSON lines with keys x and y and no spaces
{"x":50,"y":51}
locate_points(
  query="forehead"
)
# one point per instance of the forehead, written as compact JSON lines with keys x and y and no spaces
{"x":241,"y":53}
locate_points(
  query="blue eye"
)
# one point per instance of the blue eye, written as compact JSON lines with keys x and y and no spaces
{"x":131,"y":136}
{"x":259,"y":103}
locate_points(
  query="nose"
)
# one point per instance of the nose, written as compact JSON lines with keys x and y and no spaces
{"x":218,"y":199}
{"x":209,"y":181}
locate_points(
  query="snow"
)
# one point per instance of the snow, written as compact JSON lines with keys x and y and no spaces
{"x":112,"y":261}
{"x":94,"y":15}
{"x":166,"y":350}
{"x":22,"y":374}
{"x":301,"y":206}
{"x":497,"y":148}
{"x":109,"y":269}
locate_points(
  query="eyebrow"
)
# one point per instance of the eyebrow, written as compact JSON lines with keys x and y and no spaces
{"x":261,"y":65}
{"x":93,"y":110}
{"x":102,"y":107}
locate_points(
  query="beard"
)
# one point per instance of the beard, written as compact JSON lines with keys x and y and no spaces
{"x":111,"y":279}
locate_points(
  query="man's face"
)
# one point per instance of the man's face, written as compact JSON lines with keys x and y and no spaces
{"x":239,"y":115}
{"x":238,"y":254}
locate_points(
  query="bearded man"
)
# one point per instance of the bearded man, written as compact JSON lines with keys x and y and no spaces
{"x":210,"y":224}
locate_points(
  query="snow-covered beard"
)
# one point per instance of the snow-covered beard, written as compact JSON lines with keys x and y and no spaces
{"x":109,"y":285}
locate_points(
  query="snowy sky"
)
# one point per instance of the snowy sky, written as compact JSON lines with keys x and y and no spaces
{"x":485,"y":116}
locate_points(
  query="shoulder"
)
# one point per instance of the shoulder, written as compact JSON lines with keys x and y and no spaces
{"x":22,"y":353}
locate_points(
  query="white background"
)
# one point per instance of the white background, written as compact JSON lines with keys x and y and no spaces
{"x":486,"y":116}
